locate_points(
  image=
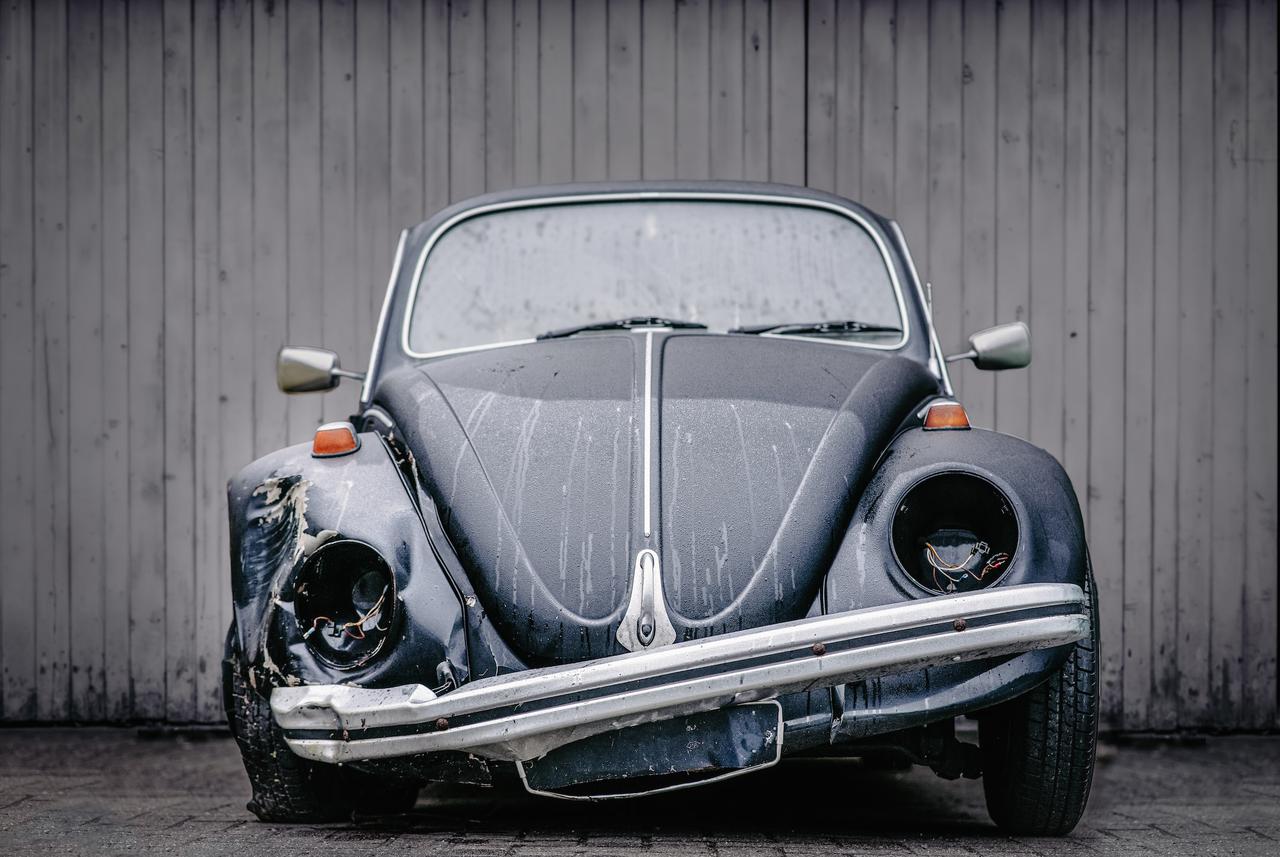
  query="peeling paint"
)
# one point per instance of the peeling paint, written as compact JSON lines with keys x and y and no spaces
{"x":283,"y":494}
{"x":270,"y":666}
{"x":278,"y":541}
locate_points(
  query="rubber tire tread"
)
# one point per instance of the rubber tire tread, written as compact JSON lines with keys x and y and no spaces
{"x":292,"y":790}
{"x":1038,"y":750}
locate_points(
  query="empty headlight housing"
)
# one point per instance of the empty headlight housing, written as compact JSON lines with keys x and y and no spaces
{"x":345,"y":602}
{"x":955,"y":532}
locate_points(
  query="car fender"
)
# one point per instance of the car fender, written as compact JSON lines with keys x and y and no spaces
{"x":866,"y":573}
{"x":284,"y":505}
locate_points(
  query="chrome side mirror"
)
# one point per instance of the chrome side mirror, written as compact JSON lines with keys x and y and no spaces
{"x":1005,"y":346}
{"x":309,"y":370}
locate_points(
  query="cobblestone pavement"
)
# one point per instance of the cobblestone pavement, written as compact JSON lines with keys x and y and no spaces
{"x":94,"y":791}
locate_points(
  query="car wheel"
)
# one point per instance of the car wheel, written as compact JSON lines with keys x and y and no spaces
{"x":286,"y":787}
{"x":1038,"y":750}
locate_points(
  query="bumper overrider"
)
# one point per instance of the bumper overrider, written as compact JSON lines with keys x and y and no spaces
{"x":521,"y":716}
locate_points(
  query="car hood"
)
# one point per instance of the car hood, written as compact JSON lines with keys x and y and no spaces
{"x":535,"y":456}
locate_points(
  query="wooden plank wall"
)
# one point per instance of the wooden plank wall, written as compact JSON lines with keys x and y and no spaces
{"x":185,"y":185}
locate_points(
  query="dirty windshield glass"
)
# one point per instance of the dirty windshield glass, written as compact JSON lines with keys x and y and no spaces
{"x":516,"y":273}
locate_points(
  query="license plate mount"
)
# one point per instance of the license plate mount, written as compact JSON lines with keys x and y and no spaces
{"x":687,"y":751}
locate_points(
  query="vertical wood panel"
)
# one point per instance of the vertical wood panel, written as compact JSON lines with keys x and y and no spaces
{"x":1163,"y":710}
{"x":499,"y":116}
{"x":270,"y":230}
{"x":375,"y":239}
{"x":435,"y":105}
{"x":17,"y":358}
{"x":181,"y":646}
{"x":115,"y":357}
{"x":1260,"y":691}
{"x":1013,"y":201}
{"x":233,"y":285}
{"x":337,"y":190}
{"x":211,"y":469}
{"x":693,"y":95}
{"x":303,"y":214}
{"x":1106,"y":336}
{"x":466,"y":98}
{"x":755,"y":90}
{"x":555,"y":92}
{"x":146,"y":360}
{"x":1048,"y":108}
{"x":50,"y":403}
{"x":878,"y":105}
{"x":1230,"y":267}
{"x":1139,"y":312}
{"x":84,"y":238}
{"x":786,"y":96}
{"x":590,"y":92}
{"x":1195,"y":366}
{"x":658,"y":89}
{"x":525,"y":63}
{"x":945,"y":256}
{"x":911,"y":133}
{"x":624,"y":89}
{"x":184,"y":185}
{"x":979,"y":183}
{"x":726,"y":112}
{"x":1075,"y":363}
{"x":405,"y":57}
{"x":820,"y":123}
{"x":848,"y":97}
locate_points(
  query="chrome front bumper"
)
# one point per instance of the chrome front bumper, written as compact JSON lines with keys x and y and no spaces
{"x":520,"y":716}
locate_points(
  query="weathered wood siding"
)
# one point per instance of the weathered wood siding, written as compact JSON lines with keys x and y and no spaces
{"x":186,"y":185}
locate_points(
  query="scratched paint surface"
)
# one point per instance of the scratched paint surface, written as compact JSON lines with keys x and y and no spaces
{"x":531,"y":454}
{"x":735,"y":447}
{"x":562,"y":467}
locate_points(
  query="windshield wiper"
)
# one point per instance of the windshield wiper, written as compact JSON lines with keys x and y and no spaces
{"x":623,"y":324}
{"x":818,"y":328}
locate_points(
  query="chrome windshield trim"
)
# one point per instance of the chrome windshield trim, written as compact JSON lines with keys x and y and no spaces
{"x":937,"y":359}
{"x":467,"y":349}
{"x":366,"y":389}
{"x":632,"y":196}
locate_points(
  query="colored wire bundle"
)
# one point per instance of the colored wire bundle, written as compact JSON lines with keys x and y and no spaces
{"x":354,"y":629}
{"x":946,"y":569}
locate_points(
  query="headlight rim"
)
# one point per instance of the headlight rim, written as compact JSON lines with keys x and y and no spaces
{"x":311,"y":567}
{"x":1003,"y":492}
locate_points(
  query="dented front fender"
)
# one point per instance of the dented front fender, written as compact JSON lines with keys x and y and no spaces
{"x":284,"y":505}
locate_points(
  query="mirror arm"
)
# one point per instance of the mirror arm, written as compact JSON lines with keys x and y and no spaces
{"x":964,"y":355}
{"x":344,"y":373}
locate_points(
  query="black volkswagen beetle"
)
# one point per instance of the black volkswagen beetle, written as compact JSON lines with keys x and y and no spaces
{"x":651,"y":485}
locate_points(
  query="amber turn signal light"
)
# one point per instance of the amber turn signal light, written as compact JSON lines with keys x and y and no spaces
{"x":946,"y":415}
{"x":335,"y":439}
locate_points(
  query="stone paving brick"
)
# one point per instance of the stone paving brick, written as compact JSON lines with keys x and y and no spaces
{"x":109,"y":791}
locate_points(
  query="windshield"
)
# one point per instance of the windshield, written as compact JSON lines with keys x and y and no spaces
{"x":515,"y":273}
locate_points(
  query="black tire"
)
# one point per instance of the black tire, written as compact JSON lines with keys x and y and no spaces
{"x":292,"y":790}
{"x":1038,"y":750}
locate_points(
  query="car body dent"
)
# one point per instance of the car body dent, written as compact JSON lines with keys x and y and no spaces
{"x":285,"y":499}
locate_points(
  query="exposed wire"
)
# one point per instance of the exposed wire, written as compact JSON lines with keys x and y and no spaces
{"x":946,"y":569}
{"x":936,"y":560}
{"x":315,"y":625}
{"x":354,"y":629}
{"x":360,"y":621}
{"x":996,"y":562}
